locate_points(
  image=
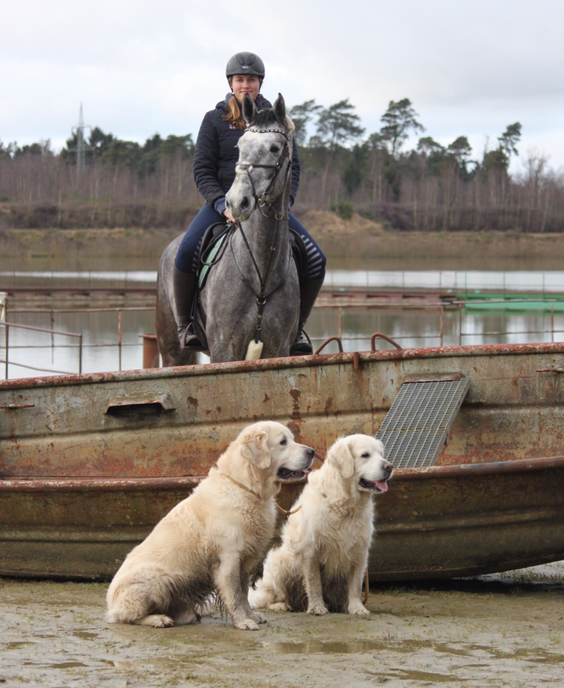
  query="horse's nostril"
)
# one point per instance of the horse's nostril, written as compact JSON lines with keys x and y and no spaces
{"x":245,"y":202}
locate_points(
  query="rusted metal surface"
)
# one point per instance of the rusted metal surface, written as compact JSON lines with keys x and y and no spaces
{"x":89,"y":463}
{"x":150,"y":351}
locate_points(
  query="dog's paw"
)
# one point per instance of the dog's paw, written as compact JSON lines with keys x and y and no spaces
{"x":317,"y":610}
{"x":279,"y":607}
{"x":246,"y":625}
{"x":259,"y":618}
{"x":360,"y":611}
{"x":186,"y":617}
{"x":156,"y":621}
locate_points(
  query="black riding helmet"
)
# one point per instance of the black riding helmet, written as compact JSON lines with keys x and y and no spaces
{"x":245,"y":63}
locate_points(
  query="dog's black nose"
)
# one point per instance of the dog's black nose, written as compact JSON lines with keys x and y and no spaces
{"x":388,"y":468}
{"x":310,"y":452}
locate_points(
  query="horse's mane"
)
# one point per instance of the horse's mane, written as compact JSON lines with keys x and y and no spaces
{"x":265,"y":119}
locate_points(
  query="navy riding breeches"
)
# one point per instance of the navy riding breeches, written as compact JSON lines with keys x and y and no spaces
{"x":186,"y":257}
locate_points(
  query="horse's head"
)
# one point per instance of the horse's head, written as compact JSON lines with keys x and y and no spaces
{"x":265,"y":159}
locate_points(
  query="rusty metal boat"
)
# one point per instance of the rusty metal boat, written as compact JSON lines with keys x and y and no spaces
{"x":89,"y":463}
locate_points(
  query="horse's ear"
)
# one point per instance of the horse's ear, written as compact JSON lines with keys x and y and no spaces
{"x":249,"y":109}
{"x":279,"y":109}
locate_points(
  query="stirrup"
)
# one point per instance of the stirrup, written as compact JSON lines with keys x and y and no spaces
{"x":189,"y":340}
{"x":302,"y":345}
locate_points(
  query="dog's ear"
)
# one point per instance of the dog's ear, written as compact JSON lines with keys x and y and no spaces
{"x":340,"y":456}
{"x":255,"y":448}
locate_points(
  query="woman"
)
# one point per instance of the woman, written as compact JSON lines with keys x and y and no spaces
{"x":214,"y":171}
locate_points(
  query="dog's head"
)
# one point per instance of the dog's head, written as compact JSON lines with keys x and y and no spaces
{"x":360,"y":458}
{"x":270,"y":445}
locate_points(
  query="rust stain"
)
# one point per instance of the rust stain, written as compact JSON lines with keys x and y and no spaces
{"x":193,"y":402}
{"x":295,"y":429}
{"x":266,"y":398}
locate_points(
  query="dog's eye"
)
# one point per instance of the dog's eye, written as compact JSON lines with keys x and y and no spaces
{"x":365,"y":455}
{"x":284,"y":441}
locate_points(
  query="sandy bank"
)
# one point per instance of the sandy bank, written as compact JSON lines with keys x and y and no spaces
{"x":344,"y":238}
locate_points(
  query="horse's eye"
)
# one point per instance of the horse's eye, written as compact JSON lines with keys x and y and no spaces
{"x":274,"y":149}
{"x":365,"y":455}
{"x":284,"y":441}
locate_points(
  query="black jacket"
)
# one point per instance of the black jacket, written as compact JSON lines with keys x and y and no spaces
{"x":216,"y":153}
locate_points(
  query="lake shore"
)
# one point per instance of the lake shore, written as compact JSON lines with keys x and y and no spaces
{"x":358,"y":237}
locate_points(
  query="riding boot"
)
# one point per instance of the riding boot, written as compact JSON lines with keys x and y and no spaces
{"x":185,"y":285}
{"x":308,"y":294}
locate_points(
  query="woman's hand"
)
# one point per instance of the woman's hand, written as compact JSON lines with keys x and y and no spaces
{"x":228,"y":216}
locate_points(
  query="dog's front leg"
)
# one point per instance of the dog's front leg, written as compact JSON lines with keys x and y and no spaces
{"x":251,"y":613}
{"x":233,"y":591}
{"x":355,"y":588}
{"x":314,"y":588}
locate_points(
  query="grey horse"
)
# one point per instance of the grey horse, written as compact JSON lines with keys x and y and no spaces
{"x":251,"y":299}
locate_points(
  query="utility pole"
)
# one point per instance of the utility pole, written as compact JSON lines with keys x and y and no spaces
{"x":80,"y":144}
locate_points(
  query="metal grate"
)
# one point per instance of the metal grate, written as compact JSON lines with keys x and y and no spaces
{"x":418,"y":423}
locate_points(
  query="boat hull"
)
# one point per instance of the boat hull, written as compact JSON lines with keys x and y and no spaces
{"x":437,"y":522}
{"x":89,"y":464}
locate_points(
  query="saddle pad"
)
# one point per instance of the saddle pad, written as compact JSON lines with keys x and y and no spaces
{"x":419,"y":421}
{"x":207,"y":259}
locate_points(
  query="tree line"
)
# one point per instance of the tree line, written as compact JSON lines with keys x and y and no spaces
{"x":429,"y":187}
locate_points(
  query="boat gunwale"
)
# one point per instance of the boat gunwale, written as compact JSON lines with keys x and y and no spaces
{"x":313,"y":361}
{"x":116,"y":484}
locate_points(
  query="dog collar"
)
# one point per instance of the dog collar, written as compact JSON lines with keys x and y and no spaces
{"x":243,"y":487}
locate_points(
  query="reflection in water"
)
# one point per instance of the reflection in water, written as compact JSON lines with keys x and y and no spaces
{"x":60,"y":353}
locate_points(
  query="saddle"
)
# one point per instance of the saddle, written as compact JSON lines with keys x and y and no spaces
{"x":214,"y":243}
{"x":214,"y":238}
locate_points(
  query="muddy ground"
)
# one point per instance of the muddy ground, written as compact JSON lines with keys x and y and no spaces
{"x":503,"y":630}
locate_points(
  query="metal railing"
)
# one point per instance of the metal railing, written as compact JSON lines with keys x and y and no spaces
{"x":8,"y":363}
{"x":455,"y":309}
{"x":80,"y":346}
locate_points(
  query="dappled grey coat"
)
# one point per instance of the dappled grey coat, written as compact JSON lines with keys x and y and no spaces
{"x":216,"y":153}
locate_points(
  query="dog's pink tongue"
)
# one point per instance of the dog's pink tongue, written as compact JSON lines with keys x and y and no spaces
{"x":383,"y":487}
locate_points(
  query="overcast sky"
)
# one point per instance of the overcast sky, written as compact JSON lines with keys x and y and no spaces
{"x":142,"y":66}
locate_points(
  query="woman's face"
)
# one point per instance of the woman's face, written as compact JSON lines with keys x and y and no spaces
{"x":245,"y":83}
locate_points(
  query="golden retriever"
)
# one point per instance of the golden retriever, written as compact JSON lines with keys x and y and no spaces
{"x":211,"y":541}
{"x":325,"y":543}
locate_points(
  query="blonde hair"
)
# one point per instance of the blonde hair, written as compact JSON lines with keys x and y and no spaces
{"x":234,"y":113}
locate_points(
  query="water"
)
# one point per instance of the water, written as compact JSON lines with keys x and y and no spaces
{"x":33,"y":353}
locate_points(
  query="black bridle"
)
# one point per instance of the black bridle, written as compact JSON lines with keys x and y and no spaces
{"x":263,"y":201}
{"x":247,"y":167}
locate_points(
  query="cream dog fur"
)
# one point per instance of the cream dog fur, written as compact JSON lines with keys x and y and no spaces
{"x":211,"y":541}
{"x":325,"y":544}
